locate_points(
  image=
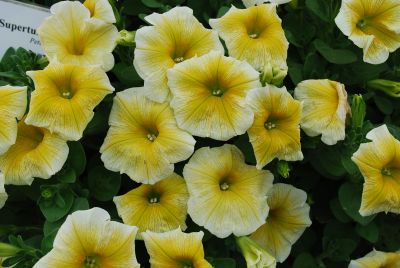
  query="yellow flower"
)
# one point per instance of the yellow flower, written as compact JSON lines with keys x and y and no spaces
{"x":174,"y":36}
{"x":373,"y":25}
{"x":159,"y":208}
{"x":36,"y":154}
{"x":379,"y":163}
{"x":275,"y":132}
{"x":209,"y":95}
{"x":377,"y":259}
{"x":255,"y":255}
{"x":249,"y":3}
{"x":225,"y":195}
{"x":13,"y":101}
{"x":65,"y":96}
{"x":100,"y":9}
{"x":144,"y":140}
{"x":71,"y":37}
{"x":254,"y":34}
{"x":175,"y":249}
{"x":287,"y":219}
{"x":325,"y":108}
{"x":88,"y":239}
{"x":3,"y":194}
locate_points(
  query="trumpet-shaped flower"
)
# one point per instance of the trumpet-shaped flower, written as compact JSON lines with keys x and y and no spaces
{"x":13,"y":101}
{"x":72,"y":37}
{"x":65,"y":96}
{"x":379,"y":163}
{"x":144,"y":140}
{"x":36,"y":153}
{"x":254,"y":34}
{"x":3,"y":194}
{"x":159,"y":208}
{"x":377,"y":259}
{"x":287,"y":219}
{"x":175,"y":249}
{"x":209,"y":95}
{"x":325,"y":108}
{"x":276,"y":130}
{"x":225,"y":195}
{"x":373,"y":25}
{"x":255,"y":255}
{"x":182,"y":37}
{"x":100,"y":9}
{"x":89,"y":239}
{"x":249,"y":3}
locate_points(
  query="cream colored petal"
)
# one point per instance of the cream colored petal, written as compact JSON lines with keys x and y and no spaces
{"x":36,"y":153}
{"x":100,"y":9}
{"x":384,"y":143}
{"x":286,"y":222}
{"x":13,"y":101}
{"x":175,"y":249}
{"x":241,"y":207}
{"x":3,"y":194}
{"x":377,"y":259}
{"x":66,"y":115}
{"x":167,"y":212}
{"x":220,"y":116}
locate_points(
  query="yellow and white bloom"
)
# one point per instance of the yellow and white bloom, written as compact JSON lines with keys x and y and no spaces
{"x":209,"y":95}
{"x":175,"y":249}
{"x":255,"y":255}
{"x":89,"y":239}
{"x":72,"y":37}
{"x":65,"y":96}
{"x":377,"y":259}
{"x":275,"y":132}
{"x":250,"y":3}
{"x":254,"y":34}
{"x":379,"y":163}
{"x":225,"y":195}
{"x":144,"y":140}
{"x":101,"y":10}
{"x":373,"y":25}
{"x":159,"y":208}
{"x":36,"y":154}
{"x":174,"y":37}
{"x":325,"y":108}
{"x":3,"y":194}
{"x":287,"y":219}
{"x":13,"y":101}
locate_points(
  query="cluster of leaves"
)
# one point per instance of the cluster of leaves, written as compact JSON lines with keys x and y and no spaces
{"x":333,"y":183}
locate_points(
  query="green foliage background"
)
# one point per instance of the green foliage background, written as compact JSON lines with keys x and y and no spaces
{"x":317,"y":50}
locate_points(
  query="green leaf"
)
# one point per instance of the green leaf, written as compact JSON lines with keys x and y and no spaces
{"x":350,"y":199}
{"x":103,"y":183}
{"x":305,"y":260}
{"x":66,"y":175}
{"x":336,"y":56}
{"x":319,"y":8}
{"x":338,"y":211}
{"x":295,"y":72}
{"x":52,"y":211}
{"x":152,"y":3}
{"x":126,"y":74}
{"x":222,"y":262}
{"x":369,"y":232}
{"x":384,"y":104}
{"x":77,"y":157}
{"x":80,"y":203}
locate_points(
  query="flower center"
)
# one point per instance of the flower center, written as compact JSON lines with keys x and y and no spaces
{"x":187,"y":264}
{"x":179,"y":59}
{"x":151,"y":137}
{"x":66,"y":93}
{"x":387,"y":171}
{"x":91,"y":262}
{"x":253,"y":35}
{"x":224,"y":186}
{"x":269,"y":125}
{"x":363,"y":22}
{"x":153,"y":198}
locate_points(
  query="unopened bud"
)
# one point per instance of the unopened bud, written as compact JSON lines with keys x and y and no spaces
{"x":7,"y":250}
{"x":283,"y":169}
{"x":358,"y":109}
{"x":391,"y":88}
{"x":273,"y":75}
{"x":254,"y":254}
{"x":126,"y":38}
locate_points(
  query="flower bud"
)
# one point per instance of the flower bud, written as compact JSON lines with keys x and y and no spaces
{"x":391,"y":88}
{"x":126,"y":38}
{"x":358,"y":109}
{"x":272,"y":74}
{"x":7,"y":250}
{"x":283,"y":169}
{"x":255,"y":255}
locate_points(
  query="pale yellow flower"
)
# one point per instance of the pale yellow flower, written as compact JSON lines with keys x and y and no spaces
{"x":255,"y":255}
{"x":88,"y":239}
{"x":373,"y":25}
{"x":287,"y":219}
{"x":275,"y":132}
{"x":175,"y":249}
{"x":174,"y":37}
{"x":65,"y":96}
{"x":249,"y":3}
{"x":379,"y":163}
{"x":36,"y":154}
{"x":225,"y":195}
{"x":377,"y":259}
{"x":209,"y":95}
{"x":3,"y":195}
{"x":254,"y":34}
{"x":100,"y":9}
{"x":325,"y":108}
{"x":144,"y":140}
{"x":159,"y":208}
{"x":72,"y":37}
{"x":13,"y":101}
